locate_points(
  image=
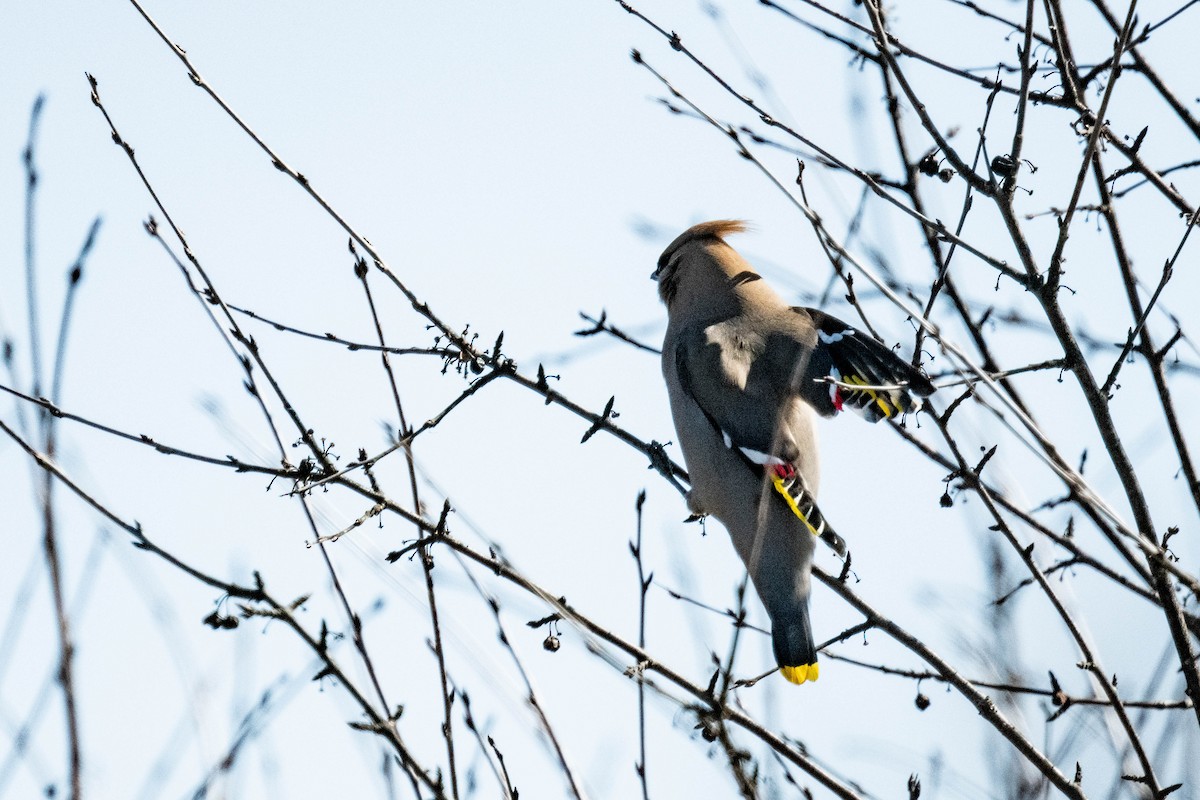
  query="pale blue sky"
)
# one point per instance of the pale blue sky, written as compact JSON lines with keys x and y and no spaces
{"x":506,"y":159}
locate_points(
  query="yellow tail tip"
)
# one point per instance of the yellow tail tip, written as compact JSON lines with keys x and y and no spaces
{"x":801,"y":674}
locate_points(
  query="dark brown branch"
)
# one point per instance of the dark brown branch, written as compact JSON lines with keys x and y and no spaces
{"x":1058,"y":698}
{"x":1164,"y":91}
{"x":263,"y":605}
{"x":1026,"y":555}
{"x":767,"y":119}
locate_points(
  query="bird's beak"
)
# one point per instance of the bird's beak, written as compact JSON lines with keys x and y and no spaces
{"x":654,"y":275}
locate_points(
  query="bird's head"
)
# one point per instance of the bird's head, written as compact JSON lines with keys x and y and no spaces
{"x":700,"y":265}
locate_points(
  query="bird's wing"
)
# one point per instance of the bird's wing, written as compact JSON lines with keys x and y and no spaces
{"x":844,"y":357}
{"x":721,"y":367}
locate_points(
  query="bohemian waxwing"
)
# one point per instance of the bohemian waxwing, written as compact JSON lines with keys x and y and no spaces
{"x":745,"y":372}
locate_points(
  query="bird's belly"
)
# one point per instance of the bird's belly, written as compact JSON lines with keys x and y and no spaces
{"x":719,"y":472}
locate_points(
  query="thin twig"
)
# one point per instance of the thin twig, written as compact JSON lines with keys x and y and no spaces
{"x":50,"y":538}
{"x":644,"y":582}
{"x":602,"y":325}
{"x":1136,"y":331}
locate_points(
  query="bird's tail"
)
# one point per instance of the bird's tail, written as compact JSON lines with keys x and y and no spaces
{"x":790,"y":486}
{"x":794,"y":648}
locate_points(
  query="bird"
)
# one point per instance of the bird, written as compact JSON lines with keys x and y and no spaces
{"x":746,"y":374}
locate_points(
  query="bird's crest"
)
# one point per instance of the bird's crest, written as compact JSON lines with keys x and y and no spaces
{"x":714,"y":229}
